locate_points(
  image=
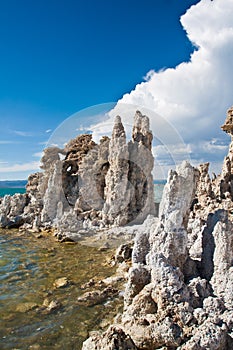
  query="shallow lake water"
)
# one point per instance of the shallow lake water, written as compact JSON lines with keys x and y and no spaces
{"x":28,"y":269}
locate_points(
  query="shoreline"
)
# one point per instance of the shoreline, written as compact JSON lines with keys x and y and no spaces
{"x":179,"y":274}
{"x":49,"y":288}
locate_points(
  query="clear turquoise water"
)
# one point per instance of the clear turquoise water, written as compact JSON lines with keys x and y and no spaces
{"x":11,"y":191}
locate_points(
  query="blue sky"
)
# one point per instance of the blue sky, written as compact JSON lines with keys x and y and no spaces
{"x":60,"y":56}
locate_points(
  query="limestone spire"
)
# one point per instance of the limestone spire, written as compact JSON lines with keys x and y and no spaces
{"x":118,"y":129}
{"x":141,"y":130}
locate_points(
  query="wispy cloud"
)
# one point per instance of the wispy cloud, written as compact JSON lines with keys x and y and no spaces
{"x":30,"y":166}
{"x":6,"y":142}
{"x":37,"y":154}
{"x":48,"y":131}
{"x":22,"y":133}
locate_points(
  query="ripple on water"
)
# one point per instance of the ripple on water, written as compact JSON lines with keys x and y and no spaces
{"x":28,"y":269}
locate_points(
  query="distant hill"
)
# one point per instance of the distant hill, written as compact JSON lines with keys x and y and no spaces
{"x":13,"y":183}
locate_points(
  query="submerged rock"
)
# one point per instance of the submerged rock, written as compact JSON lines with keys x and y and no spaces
{"x":61,"y":282}
{"x":97,"y":296}
{"x":50,"y":305}
{"x":25,"y":307}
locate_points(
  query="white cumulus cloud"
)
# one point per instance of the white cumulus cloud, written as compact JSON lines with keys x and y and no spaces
{"x":38,"y":154}
{"x":9,"y":168}
{"x":194,"y":96}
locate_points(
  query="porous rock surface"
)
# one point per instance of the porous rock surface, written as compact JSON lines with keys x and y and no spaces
{"x":179,"y":293}
{"x":88,"y":186}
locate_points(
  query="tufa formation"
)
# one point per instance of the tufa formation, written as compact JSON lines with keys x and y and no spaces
{"x":88,"y":185}
{"x":179,"y":293}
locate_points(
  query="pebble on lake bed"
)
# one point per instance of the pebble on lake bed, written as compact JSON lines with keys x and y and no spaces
{"x":51,"y":305}
{"x":61,"y":282}
{"x":97,"y":296}
{"x":25,"y":307}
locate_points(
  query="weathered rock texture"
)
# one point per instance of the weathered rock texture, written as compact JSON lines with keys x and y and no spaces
{"x":179,"y":293}
{"x":88,"y":185}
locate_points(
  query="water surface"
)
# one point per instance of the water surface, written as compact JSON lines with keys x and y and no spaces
{"x":11,"y":191}
{"x":28,"y":268}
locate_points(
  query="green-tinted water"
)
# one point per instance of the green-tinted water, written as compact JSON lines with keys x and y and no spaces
{"x":28,"y":269}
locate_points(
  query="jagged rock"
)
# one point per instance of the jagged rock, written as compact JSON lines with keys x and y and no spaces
{"x":50,"y":156}
{"x":141,"y":243}
{"x":139,"y":276}
{"x":53,"y":195}
{"x":89,"y":186}
{"x":123,"y":253}
{"x":207,"y":336}
{"x":228,"y":125}
{"x":34,"y":191}
{"x":67,"y":226}
{"x":92,"y":172}
{"x":115,"y":208}
{"x":204,"y":185}
{"x":170,"y":236}
{"x":140,"y":170}
{"x":114,"y":338}
{"x":11,"y":210}
{"x":199,"y":290}
{"x":179,"y":289}
{"x":222,"y":277}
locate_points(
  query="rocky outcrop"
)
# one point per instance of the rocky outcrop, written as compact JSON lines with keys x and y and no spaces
{"x":88,"y":185}
{"x":140,"y":170}
{"x":130,"y":172}
{"x":115,"y":208}
{"x":11,"y":210}
{"x":179,"y":289}
{"x":114,"y":338}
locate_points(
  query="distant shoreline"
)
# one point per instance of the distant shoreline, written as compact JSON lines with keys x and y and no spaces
{"x":10,"y":187}
{"x":22,"y":183}
{"x":13,"y":183}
